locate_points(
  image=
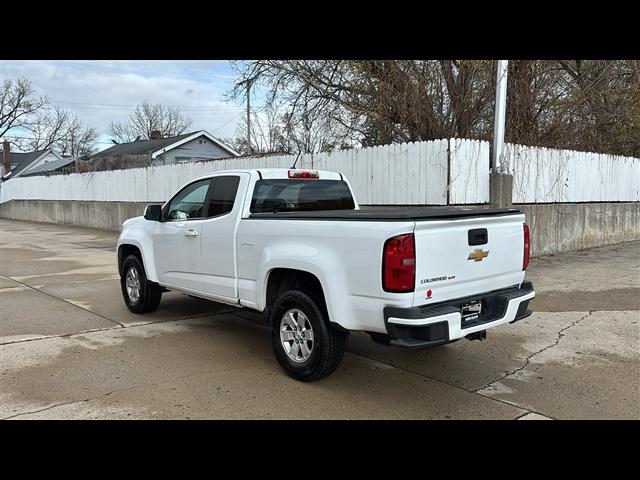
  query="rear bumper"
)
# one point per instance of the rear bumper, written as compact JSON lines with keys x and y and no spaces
{"x":436,"y":324}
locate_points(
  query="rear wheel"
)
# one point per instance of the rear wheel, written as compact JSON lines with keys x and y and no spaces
{"x":304,"y":343}
{"x":140,"y":295}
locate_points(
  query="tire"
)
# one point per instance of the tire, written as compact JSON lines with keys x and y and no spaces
{"x":325,"y":351}
{"x":149,"y":293}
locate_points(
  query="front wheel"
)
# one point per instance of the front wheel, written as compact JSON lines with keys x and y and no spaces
{"x":140,"y":295}
{"x":305,"y":345}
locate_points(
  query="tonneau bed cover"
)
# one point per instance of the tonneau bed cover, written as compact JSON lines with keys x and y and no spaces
{"x":388,"y":214}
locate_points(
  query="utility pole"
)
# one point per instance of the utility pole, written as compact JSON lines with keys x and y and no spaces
{"x":501,"y":110}
{"x":500,"y":183}
{"x":249,"y":116}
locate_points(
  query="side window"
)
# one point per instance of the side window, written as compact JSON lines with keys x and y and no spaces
{"x":222,"y":195}
{"x":189,"y":202}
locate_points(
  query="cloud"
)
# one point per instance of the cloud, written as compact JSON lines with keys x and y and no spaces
{"x":100,"y":92}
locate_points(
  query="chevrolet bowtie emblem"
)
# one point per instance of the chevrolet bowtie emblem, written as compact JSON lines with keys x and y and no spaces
{"x":478,"y":254}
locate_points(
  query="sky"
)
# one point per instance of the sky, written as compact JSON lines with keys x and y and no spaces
{"x":100,"y":92}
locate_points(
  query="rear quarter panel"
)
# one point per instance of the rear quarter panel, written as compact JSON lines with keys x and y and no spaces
{"x":345,"y":256}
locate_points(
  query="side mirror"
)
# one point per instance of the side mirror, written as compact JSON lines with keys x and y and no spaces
{"x":153,"y":213}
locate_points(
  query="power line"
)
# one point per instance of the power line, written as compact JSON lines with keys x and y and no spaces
{"x":147,"y":67}
{"x":226,"y":123}
{"x":121,"y":105}
{"x":127,"y":115}
{"x":127,"y":67}
{"x":28,"y":137}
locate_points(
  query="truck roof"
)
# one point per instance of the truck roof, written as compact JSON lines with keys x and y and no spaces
{"x":276,"y":173}
{"x":284,"y":173}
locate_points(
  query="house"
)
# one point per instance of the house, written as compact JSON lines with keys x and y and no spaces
{"x":55,"y":167}
{"x":19,"y":163}
{"x":185,"y":148}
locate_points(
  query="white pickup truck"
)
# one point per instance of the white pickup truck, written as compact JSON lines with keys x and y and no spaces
{"x":295,"y":245}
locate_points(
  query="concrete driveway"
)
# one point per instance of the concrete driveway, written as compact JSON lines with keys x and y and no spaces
{"x":71,"y":349}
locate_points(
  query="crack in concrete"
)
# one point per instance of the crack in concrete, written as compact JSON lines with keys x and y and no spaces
{"x":523,"y":415}
{"x":528,"y":358}
{"x":67,"y":301}
{"x":31,"y":412}
{"x":59,"y":335}
{"x":120,"y":325}
{"x":118,"y":390}
{"x":93,"y":330}
{"x":49,"y":239}
{"x":453,"y":385}
{"x":513,"y":404}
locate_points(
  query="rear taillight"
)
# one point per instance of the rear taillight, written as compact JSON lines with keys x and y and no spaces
{"x":399,"y":264}
{"x":304,"y":174}
{"x":527,"y":247}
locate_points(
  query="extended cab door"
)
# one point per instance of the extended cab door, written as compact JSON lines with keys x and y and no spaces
{"x":177,"y":239}
{"x":225,"y":202}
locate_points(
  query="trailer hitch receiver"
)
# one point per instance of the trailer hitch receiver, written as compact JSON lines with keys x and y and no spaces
{"x":481,"y":335}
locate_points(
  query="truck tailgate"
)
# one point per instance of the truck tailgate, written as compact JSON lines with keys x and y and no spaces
{"x":461,"y":258}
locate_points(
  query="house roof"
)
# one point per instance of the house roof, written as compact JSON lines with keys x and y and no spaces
{"x":50,"y":166}
{"x":141,"y":147}
{"x":157,"y":146}
{"x":24,"y":159}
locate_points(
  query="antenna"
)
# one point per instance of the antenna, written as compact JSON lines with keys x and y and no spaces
{"x":294,"y":163}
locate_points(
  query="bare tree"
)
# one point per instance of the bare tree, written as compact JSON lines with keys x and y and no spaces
{"x":287,"y":132}
{"x":18,"y":104}
{"x":267,"y":131}
{"x":39,"y":126}
{"x":148,"y":117}
{"x":55,"y":127}
{"x":578,"y":104}
{"x":374,"y":102}
{"x":48,"y":127}
{"x":80,"y":141}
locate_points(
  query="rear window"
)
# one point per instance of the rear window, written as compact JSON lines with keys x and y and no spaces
{"x":290,"y":195}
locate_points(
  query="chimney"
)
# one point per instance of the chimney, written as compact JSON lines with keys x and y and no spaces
{"x":156,"y":134}
{"x":6,"y":150}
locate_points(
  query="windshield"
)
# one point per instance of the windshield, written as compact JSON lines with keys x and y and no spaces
{"x":290,"y":195}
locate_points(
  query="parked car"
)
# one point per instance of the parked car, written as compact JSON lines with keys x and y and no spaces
{"x":295,"y":245}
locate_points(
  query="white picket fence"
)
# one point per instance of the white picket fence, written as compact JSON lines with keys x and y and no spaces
{"x":469,"y":175}
{"x":543,"y":175}
{"x":438,"y":172}
{"x":397,"y":174}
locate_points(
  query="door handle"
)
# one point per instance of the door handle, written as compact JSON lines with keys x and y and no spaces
{"x":191,"y":233}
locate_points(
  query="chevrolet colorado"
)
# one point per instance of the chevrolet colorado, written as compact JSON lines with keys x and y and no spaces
{"x":295,"y":245}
